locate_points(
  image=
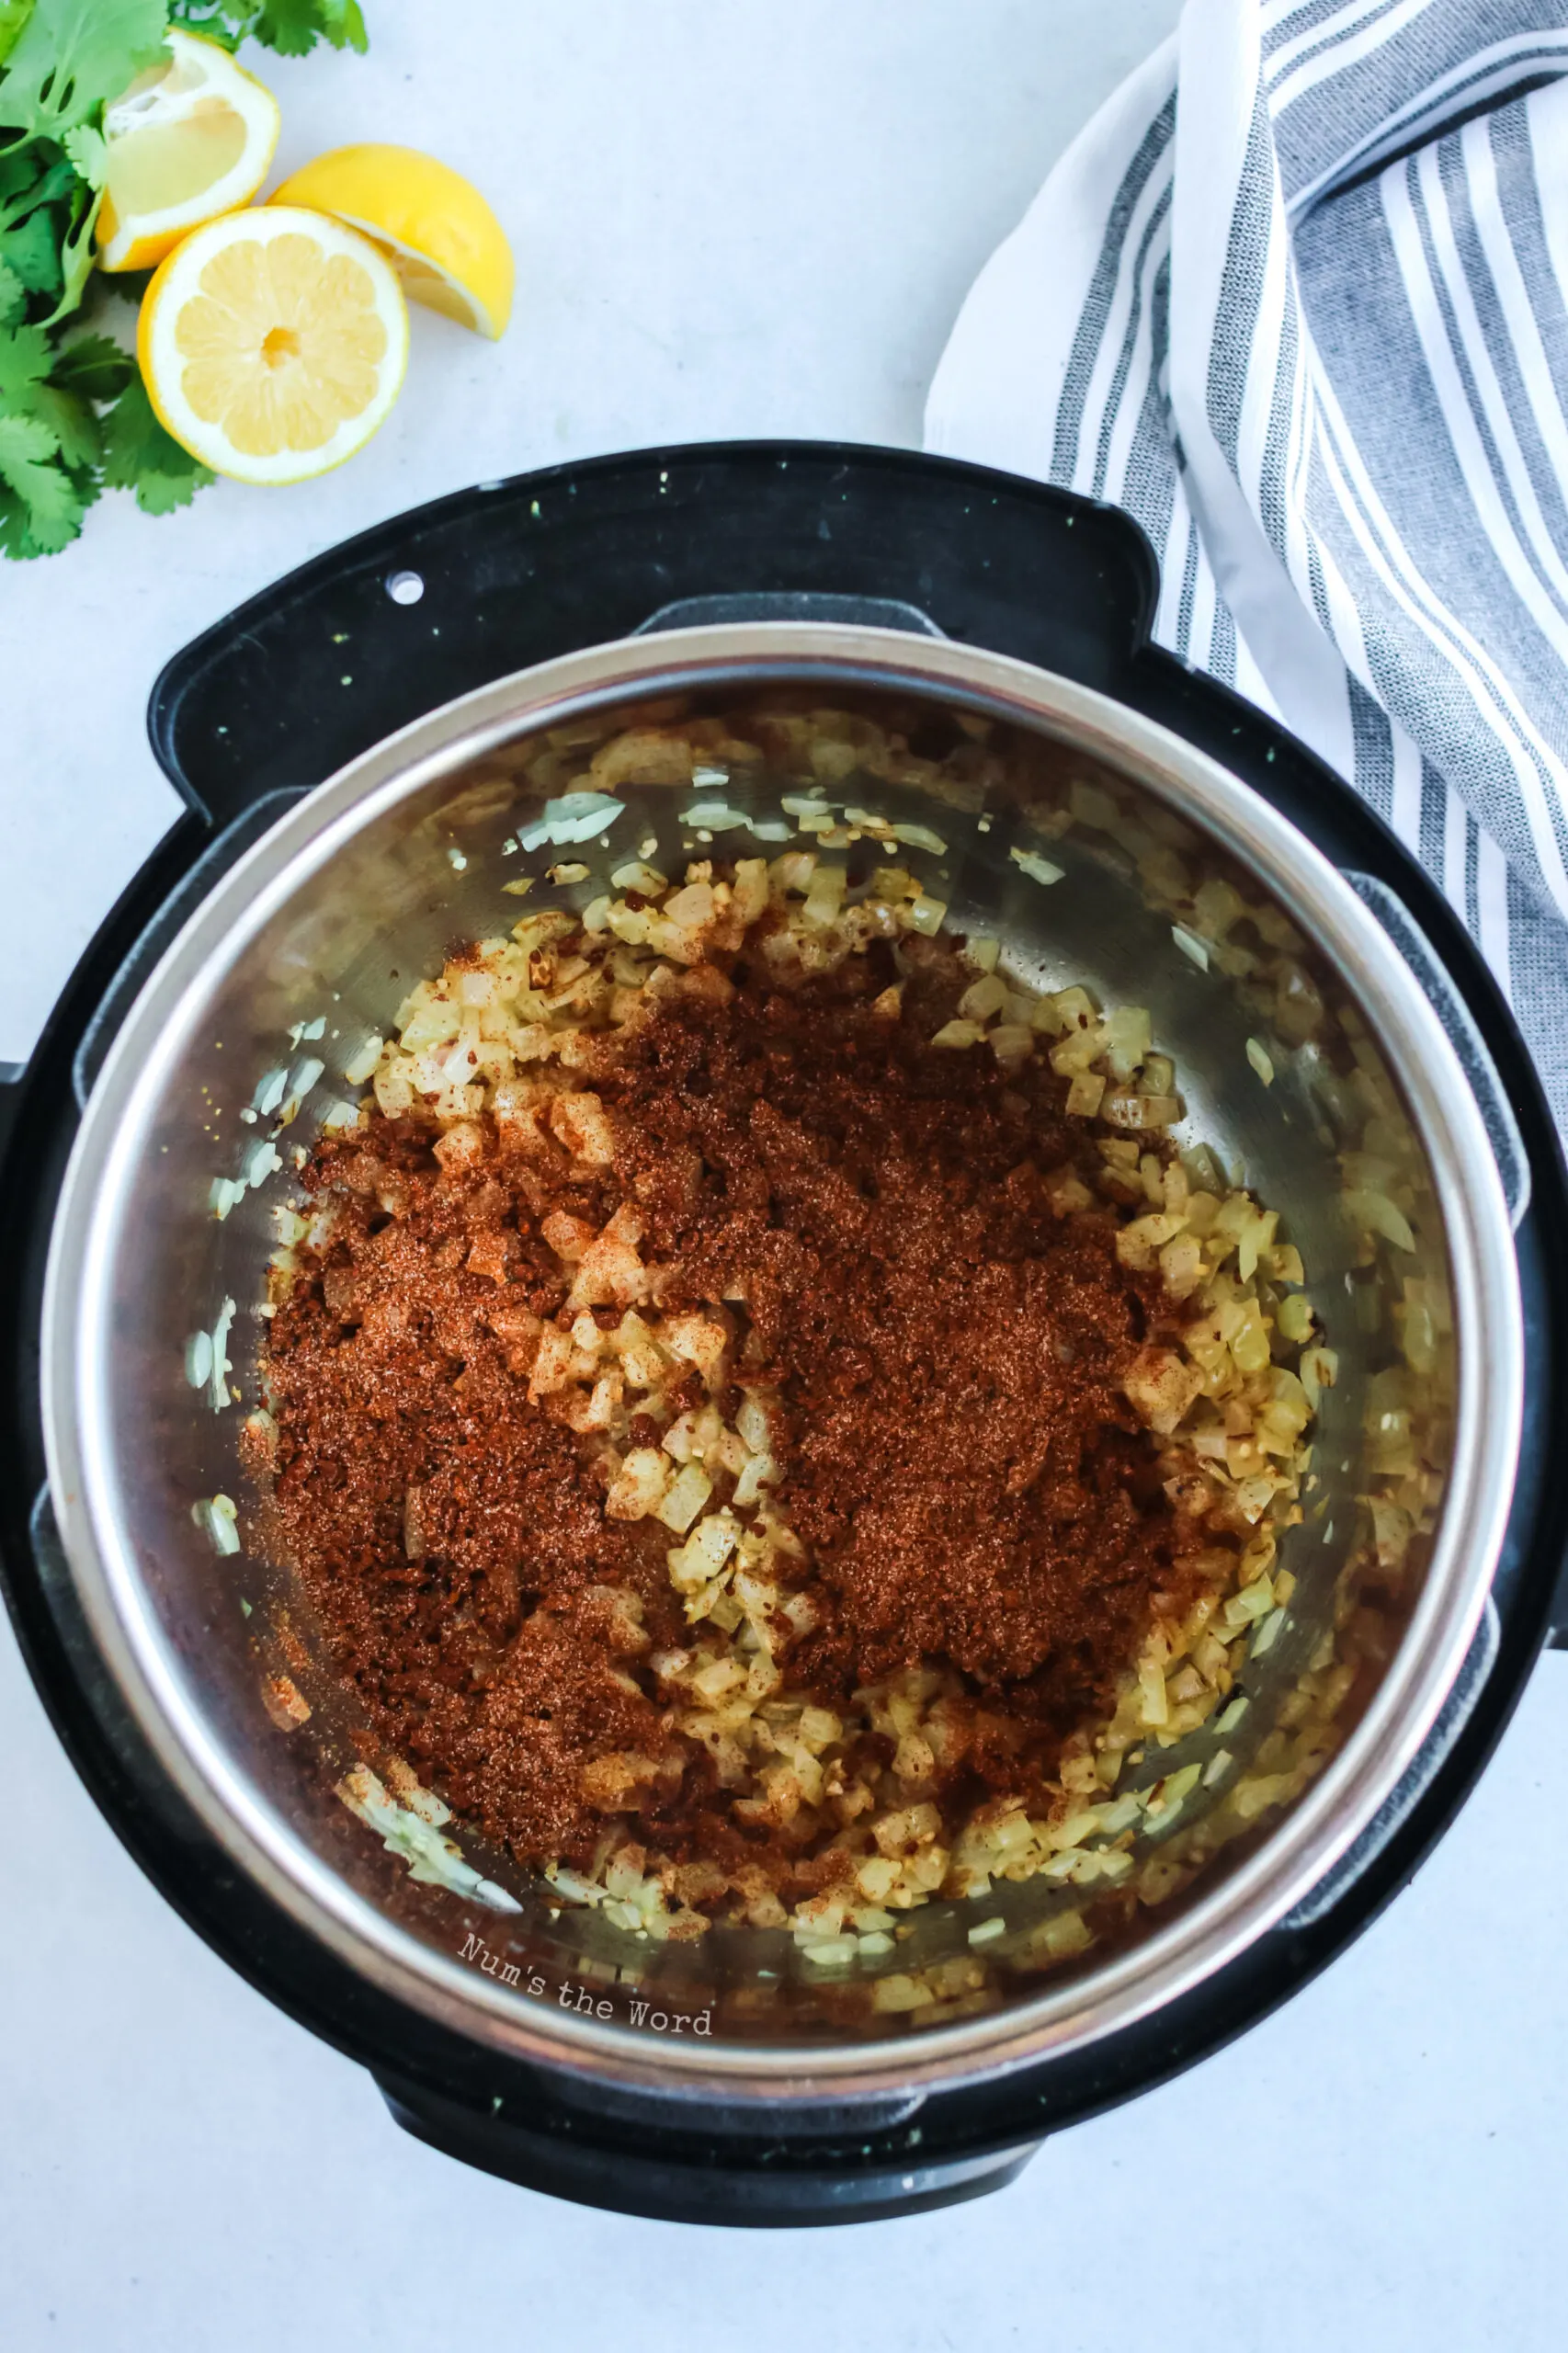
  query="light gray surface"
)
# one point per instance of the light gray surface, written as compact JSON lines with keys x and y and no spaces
{"x":748,"y":218}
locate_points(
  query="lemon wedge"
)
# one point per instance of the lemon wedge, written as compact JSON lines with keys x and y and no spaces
{"x":272,"y":343}
{"x":192,"y":137}
{"x":433,"y":225}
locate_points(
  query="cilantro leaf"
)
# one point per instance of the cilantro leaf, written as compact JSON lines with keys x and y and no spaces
{"x":77,"y":250}
{"x":13,"y":295}
{"x":140,"y":455}
{"x":25,"y":361}
{"x":34,"y":179}
{"x":52,"y":504}
{"x":24,"y":441}
{"x":293,"y":27}
{"x":71,"y":420}
{"x":38,"y":192}
{"x":31,"y":251}
{"x":88,"y":152}
{"x":24,"y":533}
{"x":219,"y":20}
{"x":14,"y":15}
{"x":162,"y":494}
{"x":94,"y":368}
{"x":73,"y":55}
{"x":290,"y":26}
{"x":13,"y":540}
{"x":21,"y":169}
{"x":206,"y":16}
{"x":38,"y":174}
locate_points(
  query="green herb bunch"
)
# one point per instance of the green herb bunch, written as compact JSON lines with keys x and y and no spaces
{"x":75,"y":419}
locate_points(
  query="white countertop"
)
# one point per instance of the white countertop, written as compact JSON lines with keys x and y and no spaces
{"x":747,"y":217}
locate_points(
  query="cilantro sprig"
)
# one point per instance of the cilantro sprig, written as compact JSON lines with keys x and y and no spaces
{"x":290,"y":26}
{"x":75,"y":417}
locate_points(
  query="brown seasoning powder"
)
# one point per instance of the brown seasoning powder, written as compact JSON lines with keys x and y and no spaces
{"x":973,"y":1488}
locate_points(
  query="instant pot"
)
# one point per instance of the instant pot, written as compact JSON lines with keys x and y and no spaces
{"x":350,"y":749}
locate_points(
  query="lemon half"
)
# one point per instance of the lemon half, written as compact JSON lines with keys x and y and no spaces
{"x":434,"y":227}
{"x":191,"y":138}
{"x":273,"y":343}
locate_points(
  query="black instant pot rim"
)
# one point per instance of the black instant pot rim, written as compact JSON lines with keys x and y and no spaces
{"x":504,"y":2114}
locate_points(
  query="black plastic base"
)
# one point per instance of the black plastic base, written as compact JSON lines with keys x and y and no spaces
{"x":758,"y":2185}
{"x":533,"y":567}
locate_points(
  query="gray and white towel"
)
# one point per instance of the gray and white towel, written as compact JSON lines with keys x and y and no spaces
{"x":1298,"y":297}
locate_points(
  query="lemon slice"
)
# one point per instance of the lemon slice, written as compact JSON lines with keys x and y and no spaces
{"x":433,"y":225}
{"x":191,"y":138}
{"x":272,"y":343}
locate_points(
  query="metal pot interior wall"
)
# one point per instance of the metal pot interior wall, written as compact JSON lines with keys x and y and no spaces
{"x":328,"y":969}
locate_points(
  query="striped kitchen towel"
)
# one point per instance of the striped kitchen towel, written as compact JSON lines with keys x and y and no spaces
{"x":1297,"y":299}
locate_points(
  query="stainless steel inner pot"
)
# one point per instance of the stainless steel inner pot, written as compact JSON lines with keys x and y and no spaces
{"x":328,"y":920}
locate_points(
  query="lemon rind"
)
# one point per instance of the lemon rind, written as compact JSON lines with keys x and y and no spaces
{"x":157,"y":233}
{"x":159,"y":356}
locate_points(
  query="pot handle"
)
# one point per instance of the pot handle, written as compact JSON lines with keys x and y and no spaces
{"x":790,"y":604}
{"x":763,"y":2179}
{"x":1463,"y":1034}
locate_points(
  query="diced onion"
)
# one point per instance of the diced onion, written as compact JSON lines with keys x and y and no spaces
{"x":927,"y":915}
{"x":1037,"y":869}
{"x":714,"y":816}
{"x":921,"y":837}
{"x":357,"y":1069}
{"x":1375,"y":1213}
{"x":574,"y":817}
{"x":1134,"y":1111}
